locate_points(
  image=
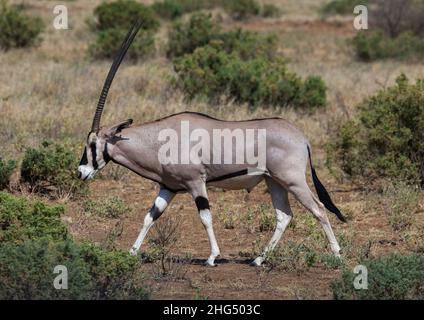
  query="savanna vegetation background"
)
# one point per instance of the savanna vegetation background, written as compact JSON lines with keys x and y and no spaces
{"x":357,"y":95}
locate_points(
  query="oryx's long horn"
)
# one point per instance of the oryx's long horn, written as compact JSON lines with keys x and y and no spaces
{"x":115,"y":65}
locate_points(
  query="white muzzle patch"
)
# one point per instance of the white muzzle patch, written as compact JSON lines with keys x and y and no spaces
{"x":86,"y":172}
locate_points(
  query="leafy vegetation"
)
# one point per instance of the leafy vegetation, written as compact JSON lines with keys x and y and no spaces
{"x":374,"y":45}
{"x":396,"y":31}
{"x":122,"y":14}
{"x":51,"y":169}
{"x":17,"y":29}
{"x":35,"y":240}
{"x":392,"y":277}
{"x":211,"y":73}
{"x":387,"y":138}
{"x":114,"y":19}
{"x":242,"y":9}
{"x":6,"y":170}
{"x":341,"y":7}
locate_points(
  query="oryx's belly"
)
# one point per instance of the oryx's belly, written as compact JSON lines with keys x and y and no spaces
{"x":241,"y":182}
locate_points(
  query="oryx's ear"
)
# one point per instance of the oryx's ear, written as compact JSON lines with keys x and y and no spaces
{"x":112,"y":131}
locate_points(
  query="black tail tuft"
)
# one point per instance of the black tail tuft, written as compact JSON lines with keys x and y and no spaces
{"x":323,"y":195}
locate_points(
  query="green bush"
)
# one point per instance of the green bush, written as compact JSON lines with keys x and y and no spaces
{"x":35,"y":240}
{"x":109,"y":41}
{"x":168,"y":9}
{"x":387,"y":139}
{"x":210,"y":73}
{"x":247,"y":44}
{"x":186,"y":37}
{"x":51,"y":169}
{"x":26,"y":272}
{"x":341,"y":7}
{"x":110,"y":208}
{"x":6,"y":170}
{"x":392,"y":277}
{"x":17,"y":29}
{"x":122,"y":14}
{"x":374,"y":45}
{"x":22,"y":220}
{"x":242,"y":9}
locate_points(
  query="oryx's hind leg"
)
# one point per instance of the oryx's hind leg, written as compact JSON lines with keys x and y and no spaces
{"x":161,"y":202}
{"x":298,"y":186}
{"x":200,"y":196}
{"x":283,"y":213}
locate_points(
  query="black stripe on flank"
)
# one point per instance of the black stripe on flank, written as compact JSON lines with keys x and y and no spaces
{"x":202,"y":203}
{"x":94,"y":155}
{"x":229,"y":176}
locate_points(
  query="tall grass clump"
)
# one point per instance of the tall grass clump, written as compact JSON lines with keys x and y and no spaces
{"x":112,"y":22}
{"x":386,"y":140}
{"x":18,"y":30}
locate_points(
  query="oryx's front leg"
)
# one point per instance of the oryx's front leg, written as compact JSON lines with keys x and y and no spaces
{"x":162,"y":201}
{"x":202,"y":203}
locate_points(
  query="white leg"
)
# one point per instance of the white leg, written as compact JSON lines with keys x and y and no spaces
{"x":283,"y":214}
{"x":199,"y":194}
{"x":206,"y":217}
{"x":162,"y":200}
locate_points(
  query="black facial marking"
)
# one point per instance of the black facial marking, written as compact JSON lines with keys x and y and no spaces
{"x":94,"y":155}
{"x":201,"y":203}
{"x":229,"y":176}
{"x":106,"y":157}
{"x":84,"y":159}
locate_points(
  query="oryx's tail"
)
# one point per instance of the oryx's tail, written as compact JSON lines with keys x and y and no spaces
{"x":323,"y":195}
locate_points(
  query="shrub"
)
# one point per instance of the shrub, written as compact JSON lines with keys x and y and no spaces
{"x":390,"y":278}
{"x":17,"y":29}
{"x":376,"y":45}
{"x":122,"y":14}
{"x":247,"y":44}
{"x":109,"y":41}
{"x":341,"y":7}
{"x":210,"y":72}
{"x":22,"y":220}
{"x":51,"y":169}
{"x":168,"y":9}
{"x":242,"y":9}
{"x":110,"y":208}
{"x":6,"y":170}
{"x":26,"y":272}
{"x":35,"y":240}
{"x":387,"y":138}
{"x":186,"y":37}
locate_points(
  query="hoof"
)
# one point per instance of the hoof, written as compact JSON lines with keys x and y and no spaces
{"x":257,"y":262}
{"x":133,"y":252}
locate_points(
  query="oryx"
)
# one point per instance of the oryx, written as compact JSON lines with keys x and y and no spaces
{"x":137,"y":148}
